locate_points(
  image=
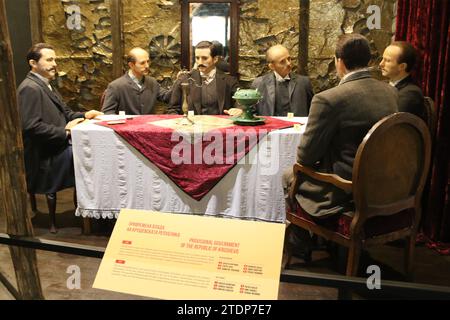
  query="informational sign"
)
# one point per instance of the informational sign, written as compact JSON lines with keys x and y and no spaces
{"x":180,"y":256}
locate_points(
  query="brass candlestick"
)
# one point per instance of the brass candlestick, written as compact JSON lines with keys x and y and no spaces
{"x":185,"y":121}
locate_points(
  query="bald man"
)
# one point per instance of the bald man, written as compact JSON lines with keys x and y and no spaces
{"x":283,"y":91}
{"x":135,"y":92}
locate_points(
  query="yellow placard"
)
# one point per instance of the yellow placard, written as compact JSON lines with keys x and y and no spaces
{"x":180,"y":256}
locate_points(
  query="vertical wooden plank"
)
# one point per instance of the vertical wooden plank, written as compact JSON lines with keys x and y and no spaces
{"x":303,"y":43}
{"x":234,"y":38}
{"x":35,"y":21}
{"x":12,"y":173}
{"x":185,"y":35}
{"x":117,"y":38}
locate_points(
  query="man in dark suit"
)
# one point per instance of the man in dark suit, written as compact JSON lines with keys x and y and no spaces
{"x":398,"y":61}
{"x":210,"y":90}
{"x":135,"y":92}
{"x":46,"y":125}
{"x":282,"y":90}
{"x":338,"y":121}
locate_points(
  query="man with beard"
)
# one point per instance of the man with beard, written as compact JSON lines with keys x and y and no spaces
{"x":135,"y":92}
{"x":46,"y":125}
{"x":210,"y":90}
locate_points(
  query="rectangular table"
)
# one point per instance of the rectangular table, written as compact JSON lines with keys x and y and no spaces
{"x":110,"y":175}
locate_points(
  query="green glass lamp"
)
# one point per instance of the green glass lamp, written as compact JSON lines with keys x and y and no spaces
{"x":248,"y":98}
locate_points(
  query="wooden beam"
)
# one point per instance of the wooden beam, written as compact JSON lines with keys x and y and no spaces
{"x":234,"y":38}
{"x":117,"y":38}
{"x":36,"y":21}
{"x":185,"y":35}
{"x":12,"y":173}
{"x":303,"y":41}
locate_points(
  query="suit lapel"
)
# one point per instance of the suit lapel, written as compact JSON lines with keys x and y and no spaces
{"x":220,"y":89}
{"x":148,"y":91}
{"x":271,"y":93}
{"x":52,"y":95}
{"x":195,"y":92}
{"x":131,"y":83}
{"x":292,"y":84}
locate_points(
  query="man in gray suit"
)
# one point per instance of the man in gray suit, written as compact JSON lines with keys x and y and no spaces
{"x":398,"y":61}
{"x":282,"y":90}
{"x":338,"y":121}
{"x":135,"y":92}
{"x":46,"y":124}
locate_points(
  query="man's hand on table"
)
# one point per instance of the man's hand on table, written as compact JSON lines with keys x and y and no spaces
{"x":234,"y":112}
{"x":92,"y":114}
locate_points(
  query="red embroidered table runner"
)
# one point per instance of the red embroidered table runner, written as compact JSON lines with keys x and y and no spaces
{"x":194,"y":157}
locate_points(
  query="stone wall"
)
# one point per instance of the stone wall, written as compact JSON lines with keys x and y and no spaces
{"x":155,"y":26}
{"x":329,"y":19}
{"x":85,"y":56}
{"x":264,"y":23}
{"x":267,"y":22}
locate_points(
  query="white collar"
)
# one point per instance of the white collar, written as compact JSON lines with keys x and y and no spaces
{"x":280,"y":78}
{"x":210,"y":76}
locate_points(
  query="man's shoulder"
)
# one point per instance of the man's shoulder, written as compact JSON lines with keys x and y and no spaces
{"x":300,"y":78}
{"x":151,"y":80}
{"x":29,"y":84}
{"x":410,"y":87}
{"x":118,"y":82}
{"x":368,"y":85}
{"x":264,"y":79}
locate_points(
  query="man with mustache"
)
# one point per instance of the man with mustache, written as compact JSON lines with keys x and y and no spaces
{"x":398,"y":61}
{"x":210,"y":90}
{"x":46,"y":124}
{"x":283,"y":91}
{"x":135,"y":92}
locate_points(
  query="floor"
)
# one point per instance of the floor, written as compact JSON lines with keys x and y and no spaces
{"x":431,"y":268}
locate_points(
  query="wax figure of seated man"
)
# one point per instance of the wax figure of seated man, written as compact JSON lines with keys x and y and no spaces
{"x":210,"y":90}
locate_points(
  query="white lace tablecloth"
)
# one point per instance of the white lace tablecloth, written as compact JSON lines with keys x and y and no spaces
{"x":111,"y":175}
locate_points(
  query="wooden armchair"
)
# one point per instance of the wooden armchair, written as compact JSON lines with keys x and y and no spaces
{"x":430,"y":116}
{"x":388,"y":177}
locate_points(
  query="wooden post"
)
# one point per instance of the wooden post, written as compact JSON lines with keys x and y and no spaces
{"x":35,"y":21}
{"x":12,"y":177}
{"x":303,"y":41}
{"x":117,"y":38}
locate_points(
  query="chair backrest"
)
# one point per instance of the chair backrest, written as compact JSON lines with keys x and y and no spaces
{"x":391,"y":166}
{"x":430,"y":116}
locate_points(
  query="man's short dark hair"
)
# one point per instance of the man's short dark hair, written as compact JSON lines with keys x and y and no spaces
{"x":208,"y":45}
{"x":408,"y":54}
{"x":219,"y":47}
{"x":354,"y":50}
{"x":35,"y":51}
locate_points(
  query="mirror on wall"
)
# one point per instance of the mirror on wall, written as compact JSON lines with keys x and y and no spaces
{"x":211,"y":20}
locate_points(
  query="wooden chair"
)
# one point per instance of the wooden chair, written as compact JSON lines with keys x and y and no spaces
{"x":389,"y":173}
{"x":430,"y":116}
